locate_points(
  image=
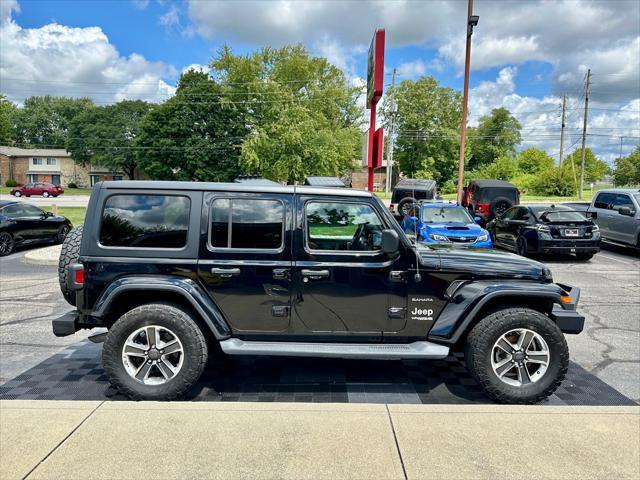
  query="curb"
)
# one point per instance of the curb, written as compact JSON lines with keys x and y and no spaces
{"x":43,"y":256}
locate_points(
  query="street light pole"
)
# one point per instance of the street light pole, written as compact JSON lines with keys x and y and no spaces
{"x":472,"y":21}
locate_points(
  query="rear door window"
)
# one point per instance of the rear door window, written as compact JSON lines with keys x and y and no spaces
{"x":247,"y":223}
{"x":145,"y":221}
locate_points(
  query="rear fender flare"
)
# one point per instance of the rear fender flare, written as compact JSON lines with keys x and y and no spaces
{"x":465,"y":303}
{"x":185,"y":287}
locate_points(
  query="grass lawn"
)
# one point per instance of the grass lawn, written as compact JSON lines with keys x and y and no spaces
{"x":332,"y":231}
{"x":75,"y":214}
{"x":67,"y":191}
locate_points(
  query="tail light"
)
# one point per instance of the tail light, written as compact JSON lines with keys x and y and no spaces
{"x":392,"y":207}
{"x":483,"y":208}
{"x":76,"y":274}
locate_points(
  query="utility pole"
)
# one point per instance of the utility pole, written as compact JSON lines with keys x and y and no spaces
{"x":584,"y":131}
{"x":394,"y":108}
{"x":472,"y":21}
{"x":564,"y":107}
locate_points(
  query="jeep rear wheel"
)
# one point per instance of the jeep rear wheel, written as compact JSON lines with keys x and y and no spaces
{"x":518,"y":355}
{"x":154,"y":352}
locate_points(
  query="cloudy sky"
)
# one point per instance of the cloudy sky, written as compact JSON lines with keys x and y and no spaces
{"x":526,"y":53}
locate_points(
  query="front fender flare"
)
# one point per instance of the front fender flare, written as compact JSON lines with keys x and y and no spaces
{"x":185,"y":287}
{"x":470,"y":297}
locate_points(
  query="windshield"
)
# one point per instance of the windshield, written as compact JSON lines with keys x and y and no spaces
{"x":446,"y":215}
{"x":563,"y":216}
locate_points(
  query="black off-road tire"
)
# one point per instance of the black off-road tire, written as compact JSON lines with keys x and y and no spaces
{"x":176,"y":320}
{"x":403,"y":203}
{"x":499,"y":205}
{"x":69,"y":254}
{"x":488,"y":330}
{"x":584,"y":256}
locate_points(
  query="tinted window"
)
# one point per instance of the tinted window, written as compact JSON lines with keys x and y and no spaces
{"x":343,"y":226}
{"x":31,"y":211}
{"x":622,"y":200}
{"x":247,"y":223}
{"x":603,"y":200}
{"x":510,"y":214}
{"x":563,"y":216}
{"x":12,"y":211}
{"x":148,"y":221}
{"x":522,"y":214}
{"x":487,"y":194}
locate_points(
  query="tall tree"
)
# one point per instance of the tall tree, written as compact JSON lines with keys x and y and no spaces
{"x":496,"y":135}
{"x":7,"y":121}
{"x":533,"y":160}
{"x":627,"y":171}
{"x":195,"y":135}
{"x":45,"y":121}
{"x":302,"y":113}
{"x":107,"y":135}
{"x":594,"y":168}
{"x":427,"y":123}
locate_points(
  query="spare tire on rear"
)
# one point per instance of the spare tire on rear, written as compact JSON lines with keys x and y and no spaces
{"x":499,"y":205}
{"x":69,"y":254}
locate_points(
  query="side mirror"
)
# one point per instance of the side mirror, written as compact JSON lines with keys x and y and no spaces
{"x":390,"y":241}
{"x":626,"y":211}
{"x":48,"y":214}
{"x":477,"y":220}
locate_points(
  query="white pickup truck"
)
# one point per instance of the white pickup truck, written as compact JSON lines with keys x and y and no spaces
{"x":617,"y":212}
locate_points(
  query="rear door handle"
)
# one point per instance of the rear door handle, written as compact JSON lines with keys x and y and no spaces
{"x":315,"y":274}
{"x":226,"y":272}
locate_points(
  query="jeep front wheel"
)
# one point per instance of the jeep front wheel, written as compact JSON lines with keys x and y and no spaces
{"x":154,"y":352}
{"x":518,"y":355}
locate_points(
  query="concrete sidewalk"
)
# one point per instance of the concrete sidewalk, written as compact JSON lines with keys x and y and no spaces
{"x":113,"y":440}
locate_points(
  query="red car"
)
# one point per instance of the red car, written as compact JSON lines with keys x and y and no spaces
{"x":44,"y":189}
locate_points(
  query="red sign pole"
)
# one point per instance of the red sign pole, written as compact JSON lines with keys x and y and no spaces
{"x":375,"y":79}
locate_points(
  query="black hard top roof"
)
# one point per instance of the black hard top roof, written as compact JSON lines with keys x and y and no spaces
{"x":255,"y":181}
{"x":493,"y":183}
{"x":324,"y":182}
{"x":229,"y":187}
{"x":416,"y":183}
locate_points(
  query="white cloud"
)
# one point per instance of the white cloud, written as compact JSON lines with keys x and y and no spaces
{"x":6,"y":8}
{"x":78,"y":62}
{"x":171,"y":18}
{"x":141,"y":4}
{"x":541,"y":118}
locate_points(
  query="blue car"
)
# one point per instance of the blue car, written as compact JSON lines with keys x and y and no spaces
{"x":447,"y":223}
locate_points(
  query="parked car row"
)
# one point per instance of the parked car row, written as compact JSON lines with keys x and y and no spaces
{"x":23,"y":224}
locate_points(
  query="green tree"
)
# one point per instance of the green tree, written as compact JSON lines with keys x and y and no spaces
{"x":505,"y":167}
{"x":554,"y":181}
{"x":594,"y":168}
{"x":195,"y":135}
{"x":427,"y":122}
{"x":496,"y":135}
{"x":7,"y":121}
{"x":45,"y":121}
{"x":533,"y":160}
{"x":627,"y":171}
{"x":107,"y":135}
{"x":301,"y":111}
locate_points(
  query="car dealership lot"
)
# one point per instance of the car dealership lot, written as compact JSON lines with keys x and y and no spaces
{"x":609,"y":347}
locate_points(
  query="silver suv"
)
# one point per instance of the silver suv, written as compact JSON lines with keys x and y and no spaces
{"x":617,"y":213}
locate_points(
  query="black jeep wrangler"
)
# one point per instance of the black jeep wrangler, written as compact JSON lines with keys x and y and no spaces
{"x":178,"y":272}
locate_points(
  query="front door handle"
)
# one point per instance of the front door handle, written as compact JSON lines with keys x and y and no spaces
{"x":281,"y":274}
{"x":315,"y":274}
{"x":226,"y":272}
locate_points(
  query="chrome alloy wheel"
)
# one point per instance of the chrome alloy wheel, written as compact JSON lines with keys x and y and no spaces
{"x":520,"y":357}
{"x":152,"y":355}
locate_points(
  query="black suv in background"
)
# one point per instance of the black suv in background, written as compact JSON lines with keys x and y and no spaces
{"x":409,"y":191}
{"x":489,"y":199}
{"x":177,"y":271}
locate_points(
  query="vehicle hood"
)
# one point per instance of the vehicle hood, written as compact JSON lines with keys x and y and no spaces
{"x":482,"y":263}
{"x":454,"y":229}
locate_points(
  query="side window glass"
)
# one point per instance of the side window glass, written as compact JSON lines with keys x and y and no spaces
{"x":145,"y":221}
{"x":31,"y":211}
{"x":247,"y":223}
{"x":342,"y":226}
{"x":622,"y":200}
{"x":510,"y":214}
{"x":603,"y":200}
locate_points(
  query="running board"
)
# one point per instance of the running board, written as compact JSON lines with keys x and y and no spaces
{"x":377,"y":351}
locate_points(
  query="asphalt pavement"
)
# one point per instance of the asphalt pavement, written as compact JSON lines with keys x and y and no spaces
{"x":608,"y":348}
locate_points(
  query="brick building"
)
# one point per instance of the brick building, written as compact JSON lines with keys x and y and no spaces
{"x":30,"y":165}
